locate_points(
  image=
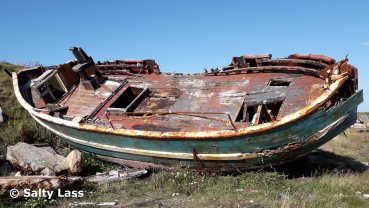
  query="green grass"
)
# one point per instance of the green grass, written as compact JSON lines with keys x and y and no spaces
{"x":336,"y":179}
{"x":18,"y":125}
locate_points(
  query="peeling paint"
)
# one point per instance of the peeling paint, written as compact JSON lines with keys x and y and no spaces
{"x":244,"y":112}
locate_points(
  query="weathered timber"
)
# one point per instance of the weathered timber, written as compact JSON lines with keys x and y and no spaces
{"x":115,"y":175}
{"x":256,"y":112}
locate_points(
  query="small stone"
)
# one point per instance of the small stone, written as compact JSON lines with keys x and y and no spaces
{"x":1,"y":116}
{"x":358,"y":192}
{"x":359,"y":126}
{"x":74,"y":159}
{"x":366,"y":195}
{"x":47,"y":172}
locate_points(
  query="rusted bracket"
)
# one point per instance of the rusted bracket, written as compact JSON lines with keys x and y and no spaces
{"x":197,"y":161}
{"x":230,"y":120}
{"x":107,"y":117}
{"x":339,"y":68}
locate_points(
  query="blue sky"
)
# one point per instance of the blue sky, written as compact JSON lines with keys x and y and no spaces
{"x":185,"y":36}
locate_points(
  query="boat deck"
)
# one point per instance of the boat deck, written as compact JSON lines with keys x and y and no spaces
{"x":82,"y":102}
{"x":195,"y":96}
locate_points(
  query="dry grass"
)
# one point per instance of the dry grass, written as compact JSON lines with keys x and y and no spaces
{"x":353,"y":145}
{"x":337,"y":178}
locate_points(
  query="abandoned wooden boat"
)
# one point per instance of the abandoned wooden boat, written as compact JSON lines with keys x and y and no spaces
{"x":255,"y":112}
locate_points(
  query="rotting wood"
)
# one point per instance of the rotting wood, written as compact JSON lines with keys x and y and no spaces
{"x":273,"y":93}
{"x":99,"y":204}
{"x":115,"y":175}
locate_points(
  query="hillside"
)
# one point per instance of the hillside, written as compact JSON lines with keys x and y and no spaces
{"x":18,"y":125}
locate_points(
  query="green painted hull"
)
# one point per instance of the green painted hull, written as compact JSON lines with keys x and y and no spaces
{"x":308,"y":133}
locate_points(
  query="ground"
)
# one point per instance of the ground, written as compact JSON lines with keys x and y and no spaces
{"x":335,"y":175}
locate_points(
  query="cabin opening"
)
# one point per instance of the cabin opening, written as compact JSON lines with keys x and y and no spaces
{"x":279,"y":83}
{"x":57,"y":87}
{"x":47,"y":88}
{"x":129,"y":100}
{"x":246,"y":113}
{"x":274,"y":108}
{"x":258,"y":114}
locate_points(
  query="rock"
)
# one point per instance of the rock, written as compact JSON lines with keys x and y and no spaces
{"x":74,"y":159}
{"x":47,"y":172}
{"x":49,"y":149}
{"x":1,"y":116}
{"x":366,"y":195}
{"x":363,"y":118}
{"x":36,"y":160}
{"x":359,"y":126}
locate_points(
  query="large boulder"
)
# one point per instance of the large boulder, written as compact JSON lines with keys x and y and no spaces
{"x":36,"y":160}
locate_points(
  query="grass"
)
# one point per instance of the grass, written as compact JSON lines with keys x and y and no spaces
{"x":333,"y":176}
{"x":18,"y":124}
{"x":332,"y":183}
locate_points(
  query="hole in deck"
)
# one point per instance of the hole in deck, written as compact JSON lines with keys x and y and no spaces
{"x":274,"y":108}
{"x":246,"y":115}
{"x":129,"y":100}
{"x":258,"y":114}
{"x":279,"y":83}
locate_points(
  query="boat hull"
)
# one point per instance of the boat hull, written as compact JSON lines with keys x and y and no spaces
{"x":275,"y":146}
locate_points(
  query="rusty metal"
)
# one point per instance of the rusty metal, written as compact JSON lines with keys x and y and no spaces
{"x":110,"y":121}
{"x":129,"y":67}
{"x":198,"y":164}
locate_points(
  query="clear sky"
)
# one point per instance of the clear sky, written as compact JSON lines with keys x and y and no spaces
{"x":185,"y":36}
